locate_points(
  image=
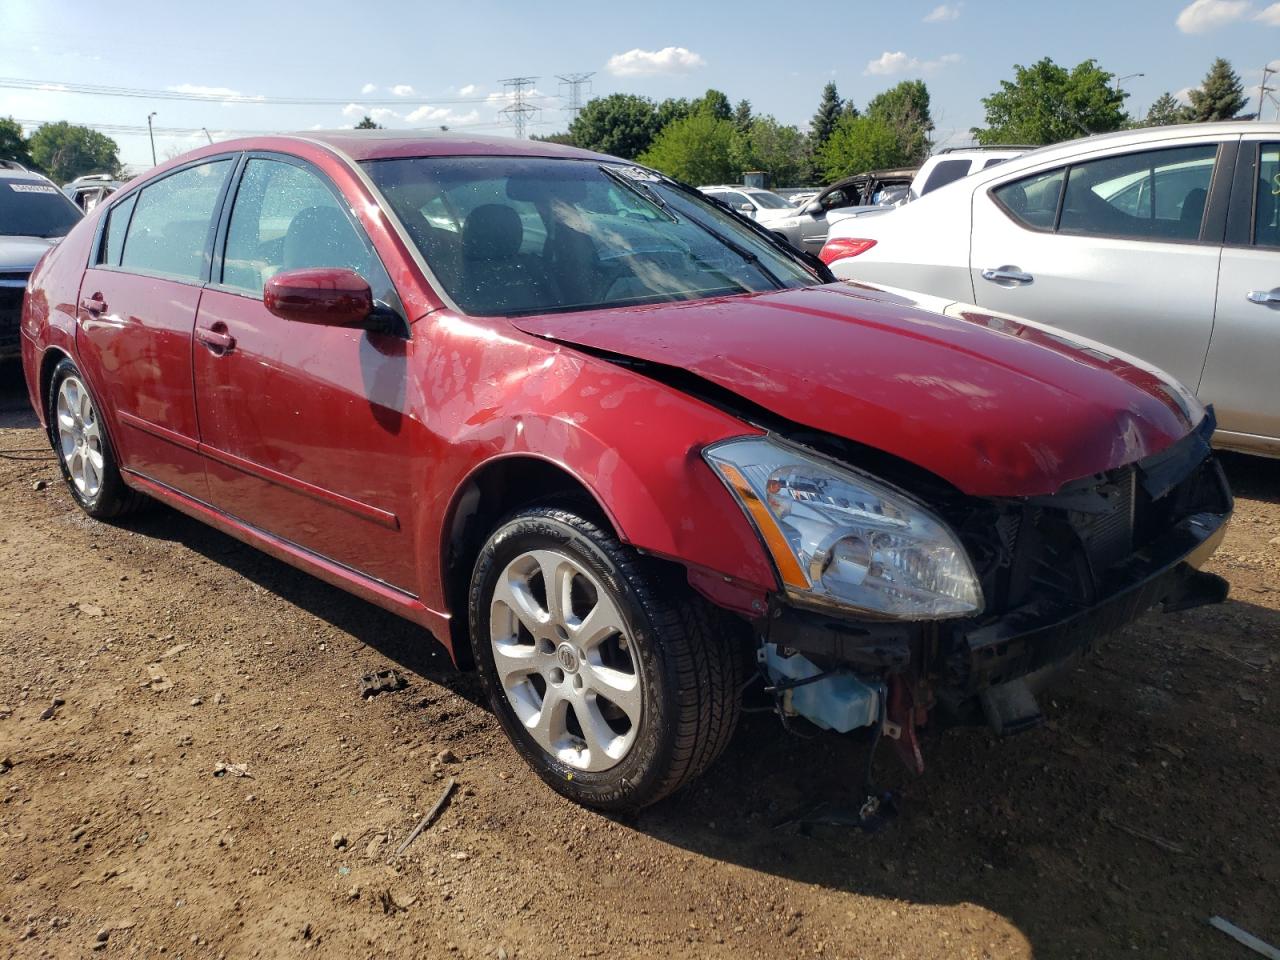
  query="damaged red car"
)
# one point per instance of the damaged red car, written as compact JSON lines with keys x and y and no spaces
{"x":614,"y":444}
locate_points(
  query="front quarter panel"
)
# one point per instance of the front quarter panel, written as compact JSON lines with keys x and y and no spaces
{"x":633,"y":443}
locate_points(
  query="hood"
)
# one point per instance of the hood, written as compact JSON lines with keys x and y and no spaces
{"x":20,"y":254}
{"x":995,"y":410}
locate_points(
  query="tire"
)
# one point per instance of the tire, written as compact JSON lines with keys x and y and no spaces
{"x":84,"y":450}
{"x":672,"y":663}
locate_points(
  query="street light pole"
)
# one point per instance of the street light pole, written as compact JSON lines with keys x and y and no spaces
{"x":152,"y":134}
{"x":1127,"y":76}
{"x":207,"y":134}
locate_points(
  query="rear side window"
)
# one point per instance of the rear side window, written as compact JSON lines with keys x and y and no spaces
{"x":1033,"y":202}
{"x":170,"y":229}
{"x":117,"y":223}
{"x":947,"y":171}
{"x":1266,"y":204}
{"x":1155,"y":195}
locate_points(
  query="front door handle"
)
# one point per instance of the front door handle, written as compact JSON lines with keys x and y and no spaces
{"x":1008,"y":276}
{"x":216,"y":339}
{"x":1264,"y":297}
{"x":93,"y":304}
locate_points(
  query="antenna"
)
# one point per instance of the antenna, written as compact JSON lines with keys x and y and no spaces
{"x":577,"y":83}
{"x":519,"y":111}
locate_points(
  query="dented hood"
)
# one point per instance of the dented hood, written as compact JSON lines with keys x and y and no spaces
{"x":995,"y":407}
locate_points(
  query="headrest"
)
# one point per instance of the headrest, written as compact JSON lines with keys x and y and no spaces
{"x":492,"y":232}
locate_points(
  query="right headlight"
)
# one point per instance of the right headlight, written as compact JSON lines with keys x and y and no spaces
{"x":842,"y":538}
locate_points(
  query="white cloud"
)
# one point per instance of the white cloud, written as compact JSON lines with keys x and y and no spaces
{"x":198,"y":90}
{"x":383,"y":114}
{"x":1183,"y":96}
{"x":943,"y":12}
{"x":402,"y":90}
{"x":468,"y":90}
{"x":354,"y":110}
{"x":639,"y":63}
{"x":369,"y":88}
{"x":1270,"y":16}
{"x":440,"y":116}
{"x":891,"y":62}
{"x":1200,"y":16}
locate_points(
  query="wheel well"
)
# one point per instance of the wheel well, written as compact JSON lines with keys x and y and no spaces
{"x":52,"y":357}
{"x":494,"y":492}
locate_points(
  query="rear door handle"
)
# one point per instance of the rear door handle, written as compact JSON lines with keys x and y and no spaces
{"x":216,"y":339}
{"x":93,"y":304}
{"x":1264,"y":296}
{"x":1007,"y":275}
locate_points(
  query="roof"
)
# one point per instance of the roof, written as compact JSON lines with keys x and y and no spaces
{"x":1142,"y":135}
{"x":384,"y":144}
{"x":7,"y":173}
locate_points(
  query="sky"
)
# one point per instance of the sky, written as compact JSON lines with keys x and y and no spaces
{"x":418,"y":63}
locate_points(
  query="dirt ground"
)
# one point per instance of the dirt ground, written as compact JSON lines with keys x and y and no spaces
{"x":1149,"y":802}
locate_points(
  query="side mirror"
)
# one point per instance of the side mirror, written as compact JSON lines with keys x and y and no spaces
{"x":813,"y":208}
{"x":747,"y":208}
{"x":327,"y":296}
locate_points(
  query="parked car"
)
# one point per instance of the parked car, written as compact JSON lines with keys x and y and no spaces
{"x":1163,"y":242}
{"x":800,"y":199}
{"x":861,"y":192}
{"x":954,"y":163}
{"x":773,"y":212}
{"x":618,"y":461}
{"x":34,"y":215}
{"x":88,"y":191}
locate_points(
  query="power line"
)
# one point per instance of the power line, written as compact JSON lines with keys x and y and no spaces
{"x":129,"y":128}
{"x":230,"y":96}
{"x":519,"y":112}
{"x":576,"y":82}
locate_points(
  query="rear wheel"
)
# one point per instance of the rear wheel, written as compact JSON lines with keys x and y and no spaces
{"x":84,"y":450}
{"x":613,"y":682}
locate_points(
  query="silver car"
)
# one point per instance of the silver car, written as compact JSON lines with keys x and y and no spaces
{"x":1163,"y":242}
{"x":798,"y":227}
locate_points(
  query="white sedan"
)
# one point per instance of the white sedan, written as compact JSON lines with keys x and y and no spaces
{"x":802,"y":230}
{"x":1163,"y":242}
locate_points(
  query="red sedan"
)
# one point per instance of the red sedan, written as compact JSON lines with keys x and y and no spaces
{"x":612,"y":443}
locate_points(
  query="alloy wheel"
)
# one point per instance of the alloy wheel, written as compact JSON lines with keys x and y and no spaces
{"x":80,"y":437}
{"x":565,"y":659}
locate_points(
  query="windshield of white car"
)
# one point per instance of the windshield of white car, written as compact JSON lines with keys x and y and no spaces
{"x":770,"y":201}
{"x":510,"y":236}
{"x":29,"y":208}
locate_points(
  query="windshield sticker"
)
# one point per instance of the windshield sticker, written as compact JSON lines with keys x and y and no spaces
{"x":636,"y":173}
{"x":32,"y":188}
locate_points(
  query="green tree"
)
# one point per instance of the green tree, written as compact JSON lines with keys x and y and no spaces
{"x":620,"y":124}
{"x":698,"y":149}
{"x":742,"y":116}
{"x":906,"y":109}
{"x":715,"y":103}
{"x":564,"y":139}
{"x":65,"y":151}
{"x":1165,"y":112}
{"x":828,"y":115}
{"x":1221,"y":95}
{"x":671,"y":110}
{"x":13,"y":145}
{"x":859,"y":144}
{"x":1047,"y":103}
{"x":367,"y":123}
{"x":780,"y":151}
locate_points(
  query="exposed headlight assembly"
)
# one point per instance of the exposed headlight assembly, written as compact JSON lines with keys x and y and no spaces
{"x":841,"y":538}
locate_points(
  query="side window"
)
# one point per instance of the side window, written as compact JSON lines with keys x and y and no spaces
{"x":285,"y":218}
{"x":170,"y":228}
{"x":1154,"y":195}
{"x":1266,"y":203}
{"x":734,"y":199}
{"x":1033,"y":202}
{"x":113,"y":234}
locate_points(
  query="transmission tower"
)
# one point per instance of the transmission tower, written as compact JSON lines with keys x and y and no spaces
{"x":519,"y":112}
{"x":578,"y":83}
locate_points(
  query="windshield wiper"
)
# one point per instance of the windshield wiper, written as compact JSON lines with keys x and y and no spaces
{"x":644,"y":193}
{"x":741,"y":251}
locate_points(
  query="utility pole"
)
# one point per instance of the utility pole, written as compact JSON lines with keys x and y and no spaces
{"x":1263,"y":89}
{"x":577,"y":83}
{"x":519,"y":111}
{"x":151,"y":133}
{"x":207,"y":134}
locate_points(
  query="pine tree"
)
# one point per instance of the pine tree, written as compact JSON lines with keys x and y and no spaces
{"x":828,"y":115}
{"x":742,"y":116}
{"x":1165,"y":112}
{"x":1220,"y":97}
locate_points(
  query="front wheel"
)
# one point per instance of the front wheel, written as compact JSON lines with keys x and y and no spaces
{"x":615,"y":684}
